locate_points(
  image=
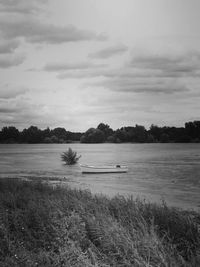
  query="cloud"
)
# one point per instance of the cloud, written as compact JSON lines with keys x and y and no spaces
{"x":10,"y":61}
{"x":109,"y":51}
{"x":17,"y":111}
{"x":8,"y":46}
{"x":72,"y":66}
{"x":111,"y":73}
{"x":96,"y":71}
{"x":21,"y":6}
{"x":34,"y":31}
{"x":187,"y":64}
{"x":137,"y":70}
{"x":9,"y":93}
{"x":8,"y":110}
{"x":22,"y":113}
{"x":147,"y":74}
{"x":78,"y":74}
{"x":144,"y":86}
{"x":147,"y":66}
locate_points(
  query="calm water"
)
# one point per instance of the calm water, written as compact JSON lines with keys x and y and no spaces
{"x":156,"y":171}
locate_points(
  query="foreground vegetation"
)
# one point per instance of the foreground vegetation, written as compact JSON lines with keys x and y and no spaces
{"x":41,"y":225}
{"x":103,"y":133}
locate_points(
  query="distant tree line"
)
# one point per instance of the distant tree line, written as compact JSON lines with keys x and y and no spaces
{"x":138,"y":134}
{"x":35,"y":135}
{"x":103,"y":133}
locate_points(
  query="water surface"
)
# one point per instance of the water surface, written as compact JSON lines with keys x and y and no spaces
{"x":157,"y":172}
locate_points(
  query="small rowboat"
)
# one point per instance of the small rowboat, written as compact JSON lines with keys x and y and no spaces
{"x":103,"y":169}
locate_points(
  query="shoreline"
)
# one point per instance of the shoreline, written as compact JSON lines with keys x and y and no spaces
{"x":139,"y":193}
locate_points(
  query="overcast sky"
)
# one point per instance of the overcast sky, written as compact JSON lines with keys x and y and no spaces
{"x":76,"y":63}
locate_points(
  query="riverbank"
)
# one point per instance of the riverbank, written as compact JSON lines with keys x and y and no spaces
{"x":41,"y":225}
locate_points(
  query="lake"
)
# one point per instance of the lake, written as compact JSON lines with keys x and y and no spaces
{"x":169,"y":172}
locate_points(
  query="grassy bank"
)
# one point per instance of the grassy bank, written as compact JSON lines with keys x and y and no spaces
{"x":45,"y":226}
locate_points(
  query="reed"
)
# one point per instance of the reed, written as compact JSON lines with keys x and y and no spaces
{"x":45,"y":226}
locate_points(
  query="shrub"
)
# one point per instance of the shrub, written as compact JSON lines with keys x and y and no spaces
{"x":70,"y":157}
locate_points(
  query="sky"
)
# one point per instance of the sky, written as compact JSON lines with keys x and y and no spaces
{"x":77,"y":63}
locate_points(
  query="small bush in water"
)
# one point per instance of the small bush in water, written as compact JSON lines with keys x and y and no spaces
{"x":70,"y":157}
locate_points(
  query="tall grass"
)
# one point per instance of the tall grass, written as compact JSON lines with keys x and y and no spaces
{"x":45,"y":226}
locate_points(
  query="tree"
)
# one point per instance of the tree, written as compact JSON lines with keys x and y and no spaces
{"x":193,"y":129}
{"x":60,"y":133}
{"x":139,"y":134}
{"x":121,"y":135}
{"x":105,"y":128}
{"x":110,"y":139}
{"x":164,"y":138}
{"x":150,"y":138}
{"x":9,"y":134}
{"x":46,"y":132}
{"x":32,"y":135}
{"x":156,"y":132}
{"x":93,"y":135}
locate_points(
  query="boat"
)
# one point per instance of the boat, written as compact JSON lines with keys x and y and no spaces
{"x":103,"y":169}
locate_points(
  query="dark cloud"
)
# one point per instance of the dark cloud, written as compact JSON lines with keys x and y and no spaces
{"x":154,"y":61}
{"x":21,"y":6}
{"x":164,"y":89}
{"x":147,"y":86}
{"x":187,"y":64}
{"x":109,"y":51}
{"x":132,"y":72}
{"x":105,"y":72}
{"x":146,"y":75}
{"x":37,"y":32}
{"x":72,"y":66}
{"x":123,"y":73}
{"x":8,"y":46}
{"x":9,"y":93}
{"x":10,"y":61}
{"x":8,"y":110}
